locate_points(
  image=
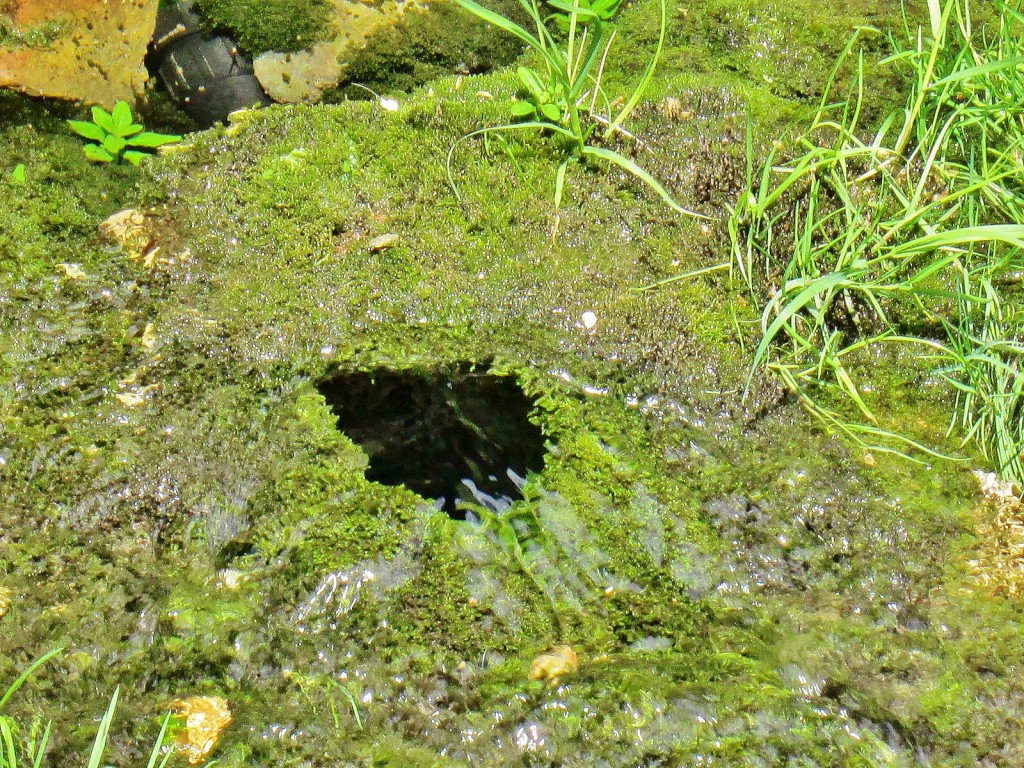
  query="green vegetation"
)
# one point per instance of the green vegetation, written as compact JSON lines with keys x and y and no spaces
{"x":32,"y":745}
{"x":903,"y":235}
{"x":270,"y":25}
{"x":740,"y":589}
{"x":118,"y":136}
{"x":557,"y":98}
{"x":40,"y":35}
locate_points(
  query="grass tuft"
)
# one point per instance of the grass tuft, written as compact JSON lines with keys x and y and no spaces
{"x":906,"y":233}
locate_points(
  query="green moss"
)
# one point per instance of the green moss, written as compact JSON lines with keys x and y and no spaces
{"x":434,"y":609}
{"x":37,"y":36}
{"x":428,"y":44}
{"x":270,"y":25}
{"x":703,"y":555}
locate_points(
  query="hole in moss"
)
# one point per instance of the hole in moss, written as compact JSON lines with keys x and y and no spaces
{"x":455,"y":434}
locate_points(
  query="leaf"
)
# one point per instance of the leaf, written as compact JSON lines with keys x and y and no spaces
{"x":560,"y":183}
{"x":7,"y":743}
{"x":551,"y":112}
{"x":39,"y":747}
{"x":132,"y":129}
{"x":113,"y":144}
{"x":521,"y":109}
{"x":18,"y":174}
{"x":88,"y":130}
{"x":20,"y":681}
{"x":605,"y":8}
{"x":531,"y":80}
{"x":97,"y":154}
{"x":561,"y":21}
{"x":814,"y":289}
{"x":103,"y":119}
{"x":935,"y":16}
{"x":969,"y":73}
{"x":626,"y":164}
{"x":582,"y":13}
{"x":135,"y":157}
{"x":148,"y":139}
{"x":158,"y":744}
{"x":122,"y":118}
{"x":103,"y":733}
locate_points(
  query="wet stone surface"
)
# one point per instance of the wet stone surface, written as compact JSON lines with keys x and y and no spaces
{"x":185,"y":518}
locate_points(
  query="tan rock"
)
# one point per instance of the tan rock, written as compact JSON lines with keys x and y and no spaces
{"x":128,"y":229}
{"x":6,"y":598}
{"x":294,"y":78}
{"x":98,"y":58}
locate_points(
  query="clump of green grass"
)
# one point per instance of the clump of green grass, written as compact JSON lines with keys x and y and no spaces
{"x":908,"y":233}
{"x":27,"y":747}
{"x":564,"y":96}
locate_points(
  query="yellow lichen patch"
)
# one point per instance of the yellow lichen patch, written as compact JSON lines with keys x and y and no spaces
{"x":205,"y":719}
{"x":128,"y":229}
{"x":73,"y":271}
{"x":999,"y":565}
{"x":5,"y":600}
{"x":562,"y":660}
{"x":136,"y":397}
{"x":149,"y":336}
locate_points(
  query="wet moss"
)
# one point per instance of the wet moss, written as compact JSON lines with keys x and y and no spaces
{"x":739,"y":586}
{"x":42,"y":35}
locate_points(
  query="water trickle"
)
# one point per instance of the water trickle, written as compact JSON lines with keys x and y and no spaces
{"x":454,"y":434}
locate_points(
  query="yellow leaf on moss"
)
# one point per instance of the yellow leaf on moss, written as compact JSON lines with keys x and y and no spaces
{"x":206,"y":717}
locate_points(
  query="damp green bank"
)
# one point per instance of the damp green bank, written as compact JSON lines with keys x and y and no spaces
{"x":183,"y":517}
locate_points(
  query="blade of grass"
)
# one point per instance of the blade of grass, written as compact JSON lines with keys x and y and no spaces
{"x":100,"y":744}
{"x":12,"y":689}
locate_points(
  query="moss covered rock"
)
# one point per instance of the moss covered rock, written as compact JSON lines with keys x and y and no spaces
{"x":736,"y":585}
{"x":270,"y":25}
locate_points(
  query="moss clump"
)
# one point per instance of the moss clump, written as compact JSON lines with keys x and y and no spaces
{"x":270,"y":25}
{"x":427,"y":44}
{"x":39,"y":35}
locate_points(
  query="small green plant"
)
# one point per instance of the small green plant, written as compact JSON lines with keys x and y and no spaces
{"x":118,"y":136}
{"x":562,"y":98}
{"x":18,"y":174}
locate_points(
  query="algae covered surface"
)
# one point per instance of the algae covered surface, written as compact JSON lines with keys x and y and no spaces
{"x":182,"y":516}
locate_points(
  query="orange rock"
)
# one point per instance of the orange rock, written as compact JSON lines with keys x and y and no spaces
{"x":98,"y":57}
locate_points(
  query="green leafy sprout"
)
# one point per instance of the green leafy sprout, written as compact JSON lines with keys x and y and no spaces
{"x":563,"y":96}
{"x":117,"y":136}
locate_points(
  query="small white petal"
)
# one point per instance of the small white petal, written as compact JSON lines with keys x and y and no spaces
{"x":589,"y":320}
